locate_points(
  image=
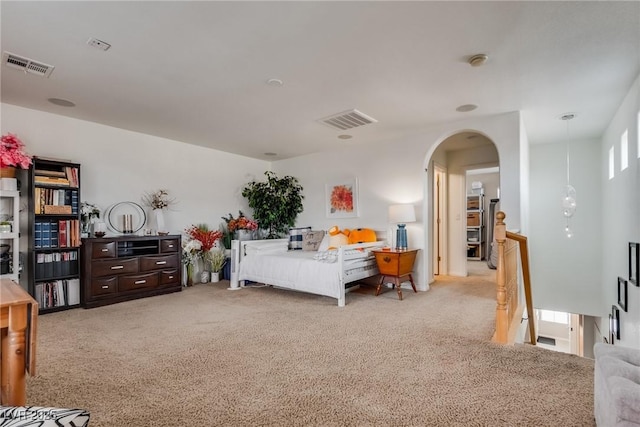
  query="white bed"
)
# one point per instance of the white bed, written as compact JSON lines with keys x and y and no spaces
{"x":268,"y":262}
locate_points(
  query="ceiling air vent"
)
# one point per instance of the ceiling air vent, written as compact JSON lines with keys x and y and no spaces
{"x":27,"y":65}
{"x":348,"y":120}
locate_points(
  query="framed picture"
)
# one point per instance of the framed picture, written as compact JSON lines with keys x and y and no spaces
{"x":622,"y":293}
{"x":612,"y":334}
{"x":634,"y":263}
{"x":342,"y":199}
{"x":615,"y":322}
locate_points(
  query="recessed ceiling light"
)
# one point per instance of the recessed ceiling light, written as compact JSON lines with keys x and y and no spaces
{"x":567,"y":116}
{"x":275,"y":82}
{"x":466,"y":108}
{"x":477,"y":60}
{"x":270,"y":154}
{"x":61,"y":102}
{"x":345,"y":136}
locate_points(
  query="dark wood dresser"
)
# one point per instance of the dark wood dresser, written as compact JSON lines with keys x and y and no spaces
{"x":116,"y":269}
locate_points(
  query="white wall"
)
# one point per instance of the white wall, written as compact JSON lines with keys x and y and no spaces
{"x":119,"y":165}
{"x":394,"y":172}
{"x":621,"y":218}
{"x":565,"y":273}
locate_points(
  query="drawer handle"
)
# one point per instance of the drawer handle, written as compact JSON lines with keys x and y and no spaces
{"x":161,"y":262}
{"x":105,"y":250}
{"x":386,"y":259}
{"x":170,"y":246}
{"x":105,"y":287}
{"x":170,"y":277}
{"x":117,"y":267}
{"x":140,"y":282}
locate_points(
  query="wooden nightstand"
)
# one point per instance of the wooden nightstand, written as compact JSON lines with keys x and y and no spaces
{"x":395,"y":264}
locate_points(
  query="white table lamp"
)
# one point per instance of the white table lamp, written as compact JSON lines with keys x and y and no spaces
{"x":401,"y":215}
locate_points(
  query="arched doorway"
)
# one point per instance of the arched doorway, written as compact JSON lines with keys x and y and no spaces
{"x":466,"y":162}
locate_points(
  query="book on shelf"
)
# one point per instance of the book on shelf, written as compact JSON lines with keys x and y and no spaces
{"x":50,"y":173}
{"x":63,"y":240}
{"x":51,"y":180}
{"x":58,"y":293}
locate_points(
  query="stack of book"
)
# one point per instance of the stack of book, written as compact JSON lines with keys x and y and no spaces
{"x":64,"y":233}
{"x":67,"y":177}
{"x":58,"y":293}
{"x":66,"y":201}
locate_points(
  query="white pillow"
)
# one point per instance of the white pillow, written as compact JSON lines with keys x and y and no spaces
{"x":324,"y":245}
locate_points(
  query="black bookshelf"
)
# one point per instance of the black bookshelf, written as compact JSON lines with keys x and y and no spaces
{"x":53,"y":230}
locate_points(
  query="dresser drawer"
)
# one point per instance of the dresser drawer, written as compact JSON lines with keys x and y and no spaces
{"x":138,"y":281}
{"x":103,"y":250}
{"x":159,"y":262}
{"x":169,"y":245}
{"x":169,"y":277}
{"x":117,"y":266}
{"x":104,"y":286}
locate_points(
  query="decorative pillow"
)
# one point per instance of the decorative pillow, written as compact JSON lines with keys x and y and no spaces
{"x":311,"y":240}
{"x":295,"y":237}
{"x":362,"y":235}
{"x":324,"y":245}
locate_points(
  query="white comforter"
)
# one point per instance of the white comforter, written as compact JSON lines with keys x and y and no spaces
{"x":293,"y":270}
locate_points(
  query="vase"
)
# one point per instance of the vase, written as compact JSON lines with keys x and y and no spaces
{"x":215,"y":276}
{"x":205,"y":276}
{"x":244,"y":235}
{"x":7,"y":172}
{"x":160,"y":221}
{"x":190,"y":272}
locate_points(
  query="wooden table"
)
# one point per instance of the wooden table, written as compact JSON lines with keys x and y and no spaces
{"x":18,"y":323}
{"x":395,"y":264}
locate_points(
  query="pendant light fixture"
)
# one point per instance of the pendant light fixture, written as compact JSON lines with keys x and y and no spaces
{"x":569,"y":193}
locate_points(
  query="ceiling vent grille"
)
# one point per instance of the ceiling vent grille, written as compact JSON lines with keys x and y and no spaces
{"x":27,"y":65}
{"x":348,"y":120}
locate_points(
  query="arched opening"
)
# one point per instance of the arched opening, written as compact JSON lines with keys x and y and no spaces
{"x":463,"y":180}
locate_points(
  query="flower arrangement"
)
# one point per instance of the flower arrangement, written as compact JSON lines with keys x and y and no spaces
{"x":240,"y":223}
{"x":12,"y":152}
{"x":216,"y":259}
{"x":88,"y":211}
{"x":191,"y":251}
{"x":202,"y":234}
{"x":158,"y":199}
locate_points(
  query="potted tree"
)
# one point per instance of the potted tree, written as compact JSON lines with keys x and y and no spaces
{"x":276,"y":203}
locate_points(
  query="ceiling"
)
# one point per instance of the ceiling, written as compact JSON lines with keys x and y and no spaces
{"x":197,"y":72}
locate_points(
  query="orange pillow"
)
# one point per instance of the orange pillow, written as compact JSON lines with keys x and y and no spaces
{"x":362,"y":235}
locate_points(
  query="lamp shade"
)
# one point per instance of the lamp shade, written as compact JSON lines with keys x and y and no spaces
{"x":402,"y":214}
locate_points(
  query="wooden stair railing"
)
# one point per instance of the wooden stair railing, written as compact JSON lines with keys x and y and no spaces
{"x":507,"y":283}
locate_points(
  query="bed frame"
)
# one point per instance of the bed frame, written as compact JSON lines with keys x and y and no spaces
{"x":353,"y":266}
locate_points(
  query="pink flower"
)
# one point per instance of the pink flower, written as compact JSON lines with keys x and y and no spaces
{"x":12,"y":153}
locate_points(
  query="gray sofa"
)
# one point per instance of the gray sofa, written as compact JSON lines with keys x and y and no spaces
{"x":616,"y":386}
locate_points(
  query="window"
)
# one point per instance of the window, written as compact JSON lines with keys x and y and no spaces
{"x":624,"y":150}
{"x":554,"y":316}
{"x":612,"y":154}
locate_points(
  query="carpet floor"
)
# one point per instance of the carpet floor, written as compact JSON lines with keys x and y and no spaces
{"x":268,"y":357}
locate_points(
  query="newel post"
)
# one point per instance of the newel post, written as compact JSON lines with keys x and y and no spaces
{"x":502,"y":319}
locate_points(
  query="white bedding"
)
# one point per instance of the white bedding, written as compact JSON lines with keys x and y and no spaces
{"x":303,"y":274}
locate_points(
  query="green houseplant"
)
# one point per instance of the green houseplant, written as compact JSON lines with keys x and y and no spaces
{"x":276,"y":203}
